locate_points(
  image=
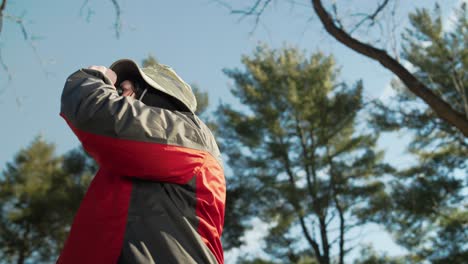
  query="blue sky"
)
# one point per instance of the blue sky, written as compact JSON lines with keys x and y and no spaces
{"x":197,"y":38}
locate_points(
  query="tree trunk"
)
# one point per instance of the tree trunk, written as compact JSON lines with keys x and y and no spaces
{"x":21,"y":257}
{"x":342,"y":231}
{"x":325,"y":243}
{"x":24,"y":246}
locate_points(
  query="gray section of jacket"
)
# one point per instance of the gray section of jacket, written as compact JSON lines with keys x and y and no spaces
{"x":91,"y":103}
{"x":162,"y":226}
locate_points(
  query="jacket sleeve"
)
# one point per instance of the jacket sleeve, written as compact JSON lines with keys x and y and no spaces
{"x":128,"y":137}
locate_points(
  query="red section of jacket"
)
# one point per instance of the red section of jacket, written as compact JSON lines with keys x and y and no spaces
{"x":99,"y":226}
{"x":211,"y":195}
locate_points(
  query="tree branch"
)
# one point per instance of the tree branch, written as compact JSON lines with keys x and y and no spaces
{"x":339,"y":208}
{"x":297,"y":206}
{"x":249,"y":12}
{"x":29,"y":39}
{"x":312,"y":192}
{"x":2,"y":8}
{"x":253,"y":10}
{"x":83,"y":6}
{"x":256,"y":10}
{"x":306,"y":156}
{"x":5,"y":68}
{"x":118,"y":21}
{"x":459,"y":86}
{"x":439,"y":106}
{"x":371,"y":17}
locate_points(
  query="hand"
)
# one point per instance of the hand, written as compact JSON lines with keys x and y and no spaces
{"x":128,"y":88}
{"x":107,"y":72}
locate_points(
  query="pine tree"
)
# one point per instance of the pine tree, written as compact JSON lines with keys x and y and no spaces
{"x":299,"y":161}
{"x":424,"y":207}
{"x":39,"y":194}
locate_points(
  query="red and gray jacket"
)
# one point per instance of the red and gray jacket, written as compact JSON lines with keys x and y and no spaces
{"x":159,"y":194}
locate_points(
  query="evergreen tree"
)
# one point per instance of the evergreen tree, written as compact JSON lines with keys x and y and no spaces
{"x":39,"y":195}
{"x":369,"y":256}
{"x":298,"y":160}
{"x":424,"y":206}
{"x":356,"y":33}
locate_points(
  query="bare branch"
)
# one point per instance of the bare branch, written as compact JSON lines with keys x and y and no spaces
{"x":118,"y":15}
{"x":372,"y":17}
{"x":255,"y":10}
{"x":118,"y":21}
{"x":223,"y":4}
{"x":20,"y":23}
{"x":297,"y":3}
{"x":437,"y":104}
{"x":459,"y":86}
{"x":393,"y":38}
{"x":336,"y":17}
{"x":5,"y":67}
{"x":2,"y":8}
{"x":85,"y":3}
{"x":249,"y":12}
{"x":330,"y":219}
{"x":27,"y":37}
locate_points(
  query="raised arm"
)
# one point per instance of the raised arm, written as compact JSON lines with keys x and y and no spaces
{"x":129,"y":137}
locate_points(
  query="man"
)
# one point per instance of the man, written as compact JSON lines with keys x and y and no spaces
{"x":159,"y":194}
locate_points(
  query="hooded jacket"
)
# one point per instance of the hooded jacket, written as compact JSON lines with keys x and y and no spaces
{"x":159,"y":193}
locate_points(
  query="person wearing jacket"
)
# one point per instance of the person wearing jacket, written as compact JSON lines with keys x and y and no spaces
{"x":159,"y":193}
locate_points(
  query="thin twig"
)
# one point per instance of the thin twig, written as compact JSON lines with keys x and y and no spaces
{"x":118,"y":21}
{"x":253,"y":12}
{"x":249,"y":12}
{"x":297,"y":3}
{"x":85,"y":3}
{"x":256,"y":10}
{"x":28,"y":39}
{"x":372,"y":17}
{"x":336,"y":18}
{"x":5,"y":67}
{"x":393,"y":35}
{"x":257,"y":19}
{"x":2,"y":8}
{"x":223,"y":3}
{"x":459,"y":86}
